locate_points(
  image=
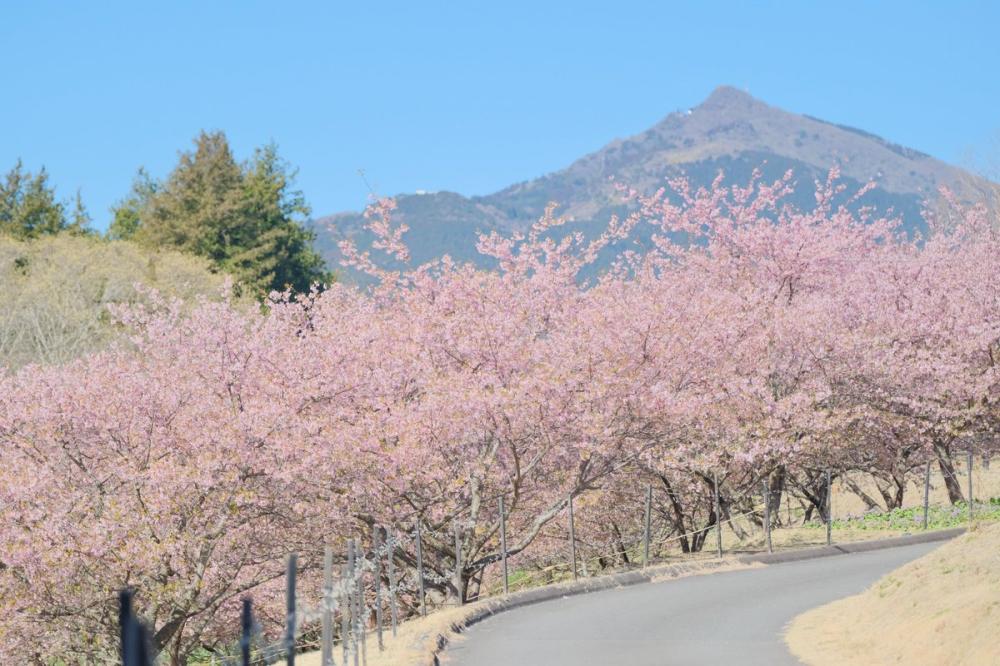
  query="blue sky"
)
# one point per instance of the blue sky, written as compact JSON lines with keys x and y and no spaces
{"x":463,"y":96}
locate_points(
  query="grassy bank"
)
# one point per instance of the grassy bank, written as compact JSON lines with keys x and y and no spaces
{"x":941,"y":609}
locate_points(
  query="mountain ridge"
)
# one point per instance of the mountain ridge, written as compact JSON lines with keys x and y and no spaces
{"x":730,"y":131}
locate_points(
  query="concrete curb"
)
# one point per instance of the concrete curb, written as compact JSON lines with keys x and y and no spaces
{"x":856,"y":547}
{"x":657,"y":572}
{"x":536,"y":595}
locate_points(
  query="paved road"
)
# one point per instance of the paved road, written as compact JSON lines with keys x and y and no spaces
{"x":726,"y":618}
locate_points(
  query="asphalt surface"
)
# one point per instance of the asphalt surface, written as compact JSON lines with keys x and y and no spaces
{"x":735,"y":617}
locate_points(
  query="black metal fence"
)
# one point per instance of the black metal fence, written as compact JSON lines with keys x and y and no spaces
{"x":369,"y":581}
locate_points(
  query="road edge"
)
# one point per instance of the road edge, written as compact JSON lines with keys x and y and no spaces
{"x":658,"y":572}
{"x":855,"y":547}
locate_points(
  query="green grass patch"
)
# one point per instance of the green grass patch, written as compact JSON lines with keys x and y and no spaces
{"x":938,"y":517}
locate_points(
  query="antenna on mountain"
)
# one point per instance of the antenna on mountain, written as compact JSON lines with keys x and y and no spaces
{"x":364,"y":178}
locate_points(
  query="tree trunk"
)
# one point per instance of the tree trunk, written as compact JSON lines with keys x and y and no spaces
{"x":948,"y":472}
{"x":898,"y":478}
{"x":891,"y":489}
{"x":870,"y":503}
{"x":455,"y":589}
{"x":727,"y":514}
{"x":620,"y":545}
{"x":813,"y":489}
{"x":698,"y":538}
{"x":678,"y":514}
{"x":776,"y":487}
{"x":475,"y":586}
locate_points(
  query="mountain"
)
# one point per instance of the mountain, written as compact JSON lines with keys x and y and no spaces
{"x":730,"y":131}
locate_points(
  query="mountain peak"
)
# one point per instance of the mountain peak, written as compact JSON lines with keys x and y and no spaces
{"x":730,"y":132}
{"x":728,"y":97}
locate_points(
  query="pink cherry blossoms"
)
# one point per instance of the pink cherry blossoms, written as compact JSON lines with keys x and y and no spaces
{"x":752,"y":340}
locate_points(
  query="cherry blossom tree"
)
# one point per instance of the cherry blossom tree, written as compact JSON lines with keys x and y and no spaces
{"x":753,"y":343}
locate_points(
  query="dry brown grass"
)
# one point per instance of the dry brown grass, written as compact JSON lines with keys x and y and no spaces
{"x":985,"y":484}
{"x":414,"y":643}
{"x":793,"y":535}
{"x":943,"y":609}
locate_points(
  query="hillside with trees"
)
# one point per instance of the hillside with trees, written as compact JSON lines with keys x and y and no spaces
{"x":244,"y":219}
{"x":212,"y":222}
{"x":57,"y":291}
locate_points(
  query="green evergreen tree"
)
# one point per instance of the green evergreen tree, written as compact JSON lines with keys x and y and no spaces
{"x":126,"y":214}
{"x":29,"y":207}
{"x":246,"y":219}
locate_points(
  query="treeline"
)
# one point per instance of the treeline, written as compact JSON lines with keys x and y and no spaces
{"x":212,"y":216}
{"x":775,"y":347}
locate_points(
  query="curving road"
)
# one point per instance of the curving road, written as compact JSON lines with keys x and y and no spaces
{"x":725,"y":618}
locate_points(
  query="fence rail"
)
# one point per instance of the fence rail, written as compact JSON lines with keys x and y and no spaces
{"x":373,"y":573}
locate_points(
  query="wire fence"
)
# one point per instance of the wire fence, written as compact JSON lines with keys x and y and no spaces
{"x":365,"y":601}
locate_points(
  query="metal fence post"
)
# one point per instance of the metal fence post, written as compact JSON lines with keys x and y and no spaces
{"x":125,"y":622}
{"x":327,"y":608}
{"x":135,"y":646}
{"x":972,"y":502}
{"x":646,"y":525}
{"x":767,"y":515}
{"x":126,"y":625}
{"x":390,"y":538}
{"x":420,"y":572}
{"x":246,"y":630}
{"x":352,"y":600}
{"x":293,"y":561}
{"x":829,"y":507}
{"x":572,"y":535}
{"x":503,"y":547}
{"x":927,"y":491}
{"x":361,"y":602}
{"x":718,"y":514}
{"x":376,"y":546}
{"x":345,"y":607}
{"x":458,"y":564}
{"x":788,"y":507}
